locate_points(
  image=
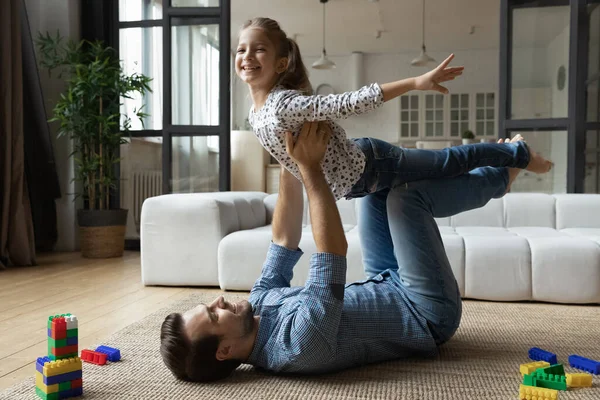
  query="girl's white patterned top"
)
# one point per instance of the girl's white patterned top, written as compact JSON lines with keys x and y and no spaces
{"x":287,"y":110}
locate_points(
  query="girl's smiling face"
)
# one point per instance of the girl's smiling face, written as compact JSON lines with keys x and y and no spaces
{"x":256,"y":60}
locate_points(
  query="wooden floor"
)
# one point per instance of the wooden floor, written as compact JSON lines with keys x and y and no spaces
{"x":109,"y":293}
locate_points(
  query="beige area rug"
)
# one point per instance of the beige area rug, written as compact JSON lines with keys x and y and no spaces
{"x":480,"y":362}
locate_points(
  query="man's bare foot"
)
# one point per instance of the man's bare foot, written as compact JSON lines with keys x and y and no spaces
{"x":513,"y":173}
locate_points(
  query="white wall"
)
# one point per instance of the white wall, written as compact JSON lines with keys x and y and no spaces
{"x":62,"y":15}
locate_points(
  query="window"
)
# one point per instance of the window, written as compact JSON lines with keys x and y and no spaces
{"x":459,"y":114}
{"x":485,"y":114}
{"x":434,"y":115}
{"x":409,"y":116}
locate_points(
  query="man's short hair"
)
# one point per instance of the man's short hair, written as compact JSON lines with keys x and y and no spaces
{"x":189,"y":360}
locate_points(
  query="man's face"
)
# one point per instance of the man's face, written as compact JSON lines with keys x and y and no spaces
{"x":229,"y":321}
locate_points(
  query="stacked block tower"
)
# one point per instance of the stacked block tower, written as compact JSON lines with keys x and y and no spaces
{"x":59,"y":374}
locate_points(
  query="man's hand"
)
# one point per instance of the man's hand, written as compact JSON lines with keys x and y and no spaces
{"x":432,"y":79}
{"x":310,"y":146}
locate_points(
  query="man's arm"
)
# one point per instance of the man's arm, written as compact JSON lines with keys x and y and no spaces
{"x":313,"y":328}
{"x":289,"y":210}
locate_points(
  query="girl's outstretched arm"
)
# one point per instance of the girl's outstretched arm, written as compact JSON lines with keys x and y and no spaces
{"x":292,"y":105}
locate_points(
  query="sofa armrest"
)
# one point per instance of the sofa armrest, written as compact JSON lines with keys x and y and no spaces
{"x":180,"y":234}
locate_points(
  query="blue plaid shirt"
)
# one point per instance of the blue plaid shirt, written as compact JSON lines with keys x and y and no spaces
{"x":326,"y":325}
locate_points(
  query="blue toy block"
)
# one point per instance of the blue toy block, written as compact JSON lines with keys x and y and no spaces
{"x":112,"y":353}
{"x":49,"y":332}
{"x":65,"y":394}
{"x":71,"y":376}
{"x":585,"y":364}
{"x":72,"y":340}
{"x":39,"y":365}
{"x":537,"y":354}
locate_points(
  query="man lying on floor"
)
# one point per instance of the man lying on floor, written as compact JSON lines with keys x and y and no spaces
{"x":409,"y":306}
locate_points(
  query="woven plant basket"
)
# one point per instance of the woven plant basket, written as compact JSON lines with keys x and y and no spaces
{"x":102,"y":232}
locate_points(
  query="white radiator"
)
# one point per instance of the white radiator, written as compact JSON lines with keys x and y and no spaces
{"x":139,"y":186}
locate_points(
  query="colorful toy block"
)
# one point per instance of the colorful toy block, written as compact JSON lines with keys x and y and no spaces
{"x":537,"y":354}
{"x":536,"y":393}
{"x":112,"y":353}
{"x":556,"y":369}
{"x":528,"y":368}
{"x":59,"y":374}
{"x":58,"y":379}
{"x":93,"y":357}
{"x":584,"y":364}
{"x":62,"y":336}
{"x":548,"y":381}
{"x":579,"y":380}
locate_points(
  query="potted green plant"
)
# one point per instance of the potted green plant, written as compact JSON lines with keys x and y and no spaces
{"x":89,"y":112}
{"x":467,"y":137}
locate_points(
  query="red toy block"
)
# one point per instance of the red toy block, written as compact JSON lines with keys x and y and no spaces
{"x":93,"y":357}
{"x":59,"y":328}
{"x":63,"y":351}
{"x":77,"y":383}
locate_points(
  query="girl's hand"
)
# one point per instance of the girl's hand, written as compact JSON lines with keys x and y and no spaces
{"x":432,"y":79}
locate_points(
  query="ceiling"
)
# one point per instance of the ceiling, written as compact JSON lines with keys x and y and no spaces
{"x":353,"y":25}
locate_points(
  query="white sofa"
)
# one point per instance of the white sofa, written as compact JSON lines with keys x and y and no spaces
{"x":525,"y":246}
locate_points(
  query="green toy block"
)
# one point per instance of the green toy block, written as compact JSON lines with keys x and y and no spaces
{"x":72,"y":333}
{"x":529,"y":380}
{"x":64,"y":386}
{"x":556,"y":369}
{"x":550,"y":381}
{"x":57,"y":343}
{"x":46,"y":396}
{"x":54,"y":358}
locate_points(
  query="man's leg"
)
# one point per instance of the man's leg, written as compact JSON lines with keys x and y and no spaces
{"x":374,"y":233}
{"x":424,"y":270}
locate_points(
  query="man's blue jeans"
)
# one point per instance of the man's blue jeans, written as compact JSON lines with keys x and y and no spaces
{"x":388,"y":165}
{"x":398,"y":232}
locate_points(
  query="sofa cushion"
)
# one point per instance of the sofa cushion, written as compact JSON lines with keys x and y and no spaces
{"x":492,"y":214}
{"x":532,"y":231}
{"x":585,"y":232}
{"x":482,"y":231}
{"x":530,"y":209}
{"x":497,"y":268}
{"x":577,"y":211}
{"x":565,"y":270}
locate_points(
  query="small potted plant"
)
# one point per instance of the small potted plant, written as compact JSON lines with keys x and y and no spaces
{"x":468,"y":137}
{"x":89,"y":113}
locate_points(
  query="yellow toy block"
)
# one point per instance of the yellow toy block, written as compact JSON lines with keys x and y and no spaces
{"x":536,"y":393}
{"x":579,"y":380}
{"x":528,"y":368}
{"x":62,"y":366}
{"x":39,"y":382}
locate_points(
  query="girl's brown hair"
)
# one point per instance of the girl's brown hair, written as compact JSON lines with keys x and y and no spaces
{"x":295,"y":76}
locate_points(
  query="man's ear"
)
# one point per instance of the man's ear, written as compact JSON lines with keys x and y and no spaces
{"x":282,"y":65}
{"x":223,"y":352}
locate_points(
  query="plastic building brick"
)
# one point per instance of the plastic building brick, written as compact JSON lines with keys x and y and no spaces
{"x":77,"y":383}
{"x":57,"y":342}
{"x":579,"y":380}
{"x":60,"y":367}
{"x":584,"y":364}
{"x":71,"y":341}
{"x":537,"y":354}
{"x":39,"y":383}
{"x":46,"y":396}
{"x":72,"y":333}
{"x":93,"y":357}
{"x":548,"y":381}
{"x":59,"y":395}
{"x":112,"y":353}
{"x":71,"y":321}
{"x":62,"y":351}
{"x":532,"y":366}
{"x":556,"y":369}
{"x":536,"y":393}
{"x":71,"y":376}
{"x":59,"y":328}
